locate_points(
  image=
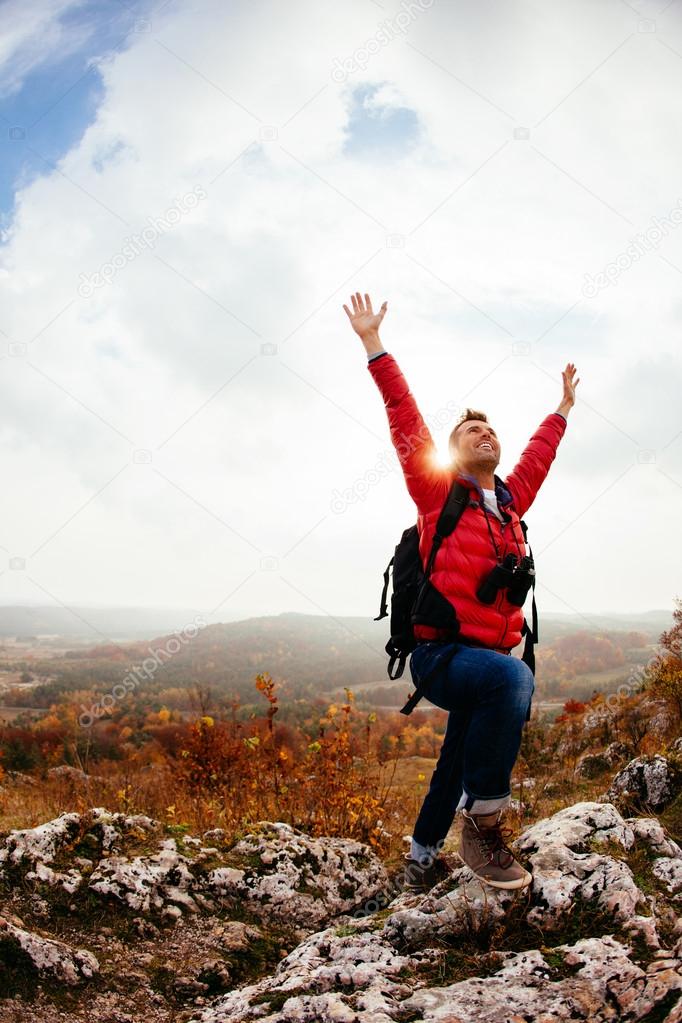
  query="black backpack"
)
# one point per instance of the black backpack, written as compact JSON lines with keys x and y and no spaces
{"x":416,"y":601}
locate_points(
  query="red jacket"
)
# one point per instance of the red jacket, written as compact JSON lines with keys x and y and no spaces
{"x":467,"y":555}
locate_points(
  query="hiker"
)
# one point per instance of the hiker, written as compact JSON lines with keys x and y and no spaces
{"x":486,"y":691}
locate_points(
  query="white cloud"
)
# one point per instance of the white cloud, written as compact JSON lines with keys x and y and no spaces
{"x":171,"y":348}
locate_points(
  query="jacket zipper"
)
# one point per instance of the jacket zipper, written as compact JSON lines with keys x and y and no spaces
{"x":505,"y":626}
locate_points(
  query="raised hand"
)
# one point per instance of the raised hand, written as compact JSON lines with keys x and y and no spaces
{"x":364,"y":321}
{"x":570,"y":384}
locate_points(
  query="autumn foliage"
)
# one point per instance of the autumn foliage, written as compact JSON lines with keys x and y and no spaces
{"x":664,"y":674}
{"x":197,"y":757}
{"x":329,"y":785}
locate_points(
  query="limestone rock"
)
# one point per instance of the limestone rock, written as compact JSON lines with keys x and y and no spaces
{"x":566,"y":868}
{"x":49,"y":958}
{"x":19,"y":778}
{"x":361,"y":978}
{"x":591,"y":765}
{"x":461,"y":952}
{"x":604,"y":985}
{"x":160,"y":882}
{"x":617,"y":752}
{"x":649,"y":831}
{"x":446,"y":912}
{"x":646,"y":782}
{"x":669,"y":871}
{"x":288,"y":877}
{"x":318,"y":981}
{"x":278,"y":873}
{"x":41,"y":844}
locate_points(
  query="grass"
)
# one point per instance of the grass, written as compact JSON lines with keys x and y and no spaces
{"x":556,"y":960}
{"x":154,"y":792}
{"x":260,"y":958}
{"x":274,"y":1000}
{"x":671,"y":819}
{"x":456,"y":963}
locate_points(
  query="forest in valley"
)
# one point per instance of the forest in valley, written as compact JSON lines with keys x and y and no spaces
{"x":186,"y":745}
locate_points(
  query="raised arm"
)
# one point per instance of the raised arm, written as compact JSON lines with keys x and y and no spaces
{"x":427,"y":482}
{"x":530,"y":471}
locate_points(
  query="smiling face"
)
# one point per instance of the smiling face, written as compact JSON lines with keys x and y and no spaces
{"x":475,"y":447}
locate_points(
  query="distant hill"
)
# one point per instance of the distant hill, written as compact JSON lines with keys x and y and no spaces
{"x":121,"y":623}
{"x":92,"y":623}
{"x":555,"y":624}
{"x":314,"y":654}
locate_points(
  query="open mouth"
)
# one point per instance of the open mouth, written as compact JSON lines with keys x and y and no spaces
{"x":486,"y":446}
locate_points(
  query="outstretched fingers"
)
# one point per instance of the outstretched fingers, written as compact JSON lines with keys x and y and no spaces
{"x":364,"y":308}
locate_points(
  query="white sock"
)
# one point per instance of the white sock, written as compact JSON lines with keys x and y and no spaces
{"x":483,"y":805}
{"x":424,"y":854}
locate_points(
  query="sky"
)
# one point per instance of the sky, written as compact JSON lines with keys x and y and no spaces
{"x":190,"y":191}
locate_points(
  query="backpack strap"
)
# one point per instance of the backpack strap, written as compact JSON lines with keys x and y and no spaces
{"x":383,"y":608}
{"x":457,"y":501}
{"x":420,"y":689}
{"x":531,"y":634}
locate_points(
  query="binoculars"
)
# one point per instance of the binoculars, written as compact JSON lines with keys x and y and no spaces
{"x":511,"y":574}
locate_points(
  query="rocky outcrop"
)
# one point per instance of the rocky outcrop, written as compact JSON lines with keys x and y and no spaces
{"x":588,"y":863}
{"x":73,"y":775}
{"x":647,"y":782}
{"x":299,"y":879}
{"x":362,"y":978}
{"x":277,"y":872}
{"x":282,"y":927}
{"x":330,"y":976}
{"x":566,"y":867}
{"x":591,"y":765}
{"x":49,"y":958}
{"x":594,"y":980}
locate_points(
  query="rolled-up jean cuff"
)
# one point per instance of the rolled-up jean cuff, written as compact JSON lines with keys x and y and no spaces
{"x":482,"y":805}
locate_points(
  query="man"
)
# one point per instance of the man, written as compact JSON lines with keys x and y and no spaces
{"x":486,"y":691}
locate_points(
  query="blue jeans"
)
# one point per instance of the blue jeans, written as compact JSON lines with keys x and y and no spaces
{"x":487,"y":695}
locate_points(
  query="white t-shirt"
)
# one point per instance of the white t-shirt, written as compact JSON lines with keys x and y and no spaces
{"x":491,"y":503}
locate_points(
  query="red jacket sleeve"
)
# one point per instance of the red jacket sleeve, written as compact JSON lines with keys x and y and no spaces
{"x":427,"y":482}
{"x":529,"y":473}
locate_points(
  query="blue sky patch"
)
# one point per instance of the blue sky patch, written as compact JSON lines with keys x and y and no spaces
{"x":57,"y":100}
{"x":377,"y":131}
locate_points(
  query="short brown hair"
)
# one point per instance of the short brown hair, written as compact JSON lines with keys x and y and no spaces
{"x":470,"y":413}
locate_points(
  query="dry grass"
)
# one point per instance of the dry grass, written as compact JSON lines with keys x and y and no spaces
{"x":153,"y":789}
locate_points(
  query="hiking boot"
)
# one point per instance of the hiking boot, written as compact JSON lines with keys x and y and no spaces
{"x":484,"y":850}
{"x":422,"y":877}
